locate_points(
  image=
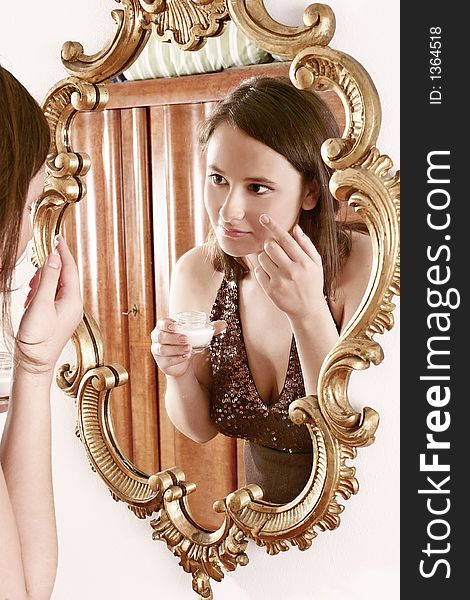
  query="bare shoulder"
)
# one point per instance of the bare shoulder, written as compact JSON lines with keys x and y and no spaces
{"x":194,"y":282}
{"x":354,"y":277}
{"x":359,"y":262}
{"x":194,"y":260}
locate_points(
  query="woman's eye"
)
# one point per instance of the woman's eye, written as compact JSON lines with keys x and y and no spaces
{"x":217,"y":179}
{"x":257,"y":188}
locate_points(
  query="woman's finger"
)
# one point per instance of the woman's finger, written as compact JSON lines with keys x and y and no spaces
{"x":171,"y":361}
{"x":164,"y":325}
{"x":277,"y":254}
{"x":167,"y":350}
{"x":47,"y":287}
{"x":70,"y":284}
{"x":270,"y":268}
{"x":307,"y":245}
{"x":262,"y":278}
{"x":283,"y":237}
{"x":165,"y":337}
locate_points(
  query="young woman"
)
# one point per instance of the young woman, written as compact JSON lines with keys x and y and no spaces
{"x":53,"y":309}
{"x":280,"y":277}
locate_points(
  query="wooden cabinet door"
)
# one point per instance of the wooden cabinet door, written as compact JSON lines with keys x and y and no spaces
{"x":111,"y":236}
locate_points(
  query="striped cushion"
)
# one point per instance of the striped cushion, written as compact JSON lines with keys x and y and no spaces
{"x":231,"y":49}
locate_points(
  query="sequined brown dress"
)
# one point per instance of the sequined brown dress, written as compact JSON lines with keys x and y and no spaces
{"x":278,"y":453}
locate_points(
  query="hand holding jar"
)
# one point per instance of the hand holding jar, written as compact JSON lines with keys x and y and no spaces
{"x":175,"y":341}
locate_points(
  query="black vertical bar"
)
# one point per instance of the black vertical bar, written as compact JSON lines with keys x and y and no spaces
{"x":434,"y":329}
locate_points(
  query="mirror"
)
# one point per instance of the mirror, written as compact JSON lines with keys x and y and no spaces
{"x":151,"y":185}
{"x":142,"y":151}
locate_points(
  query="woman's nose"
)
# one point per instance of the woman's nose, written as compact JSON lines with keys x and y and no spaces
{"x":233,"y":207}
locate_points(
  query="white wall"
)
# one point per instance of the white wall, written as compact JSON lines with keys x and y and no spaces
{"x":105,"y":552}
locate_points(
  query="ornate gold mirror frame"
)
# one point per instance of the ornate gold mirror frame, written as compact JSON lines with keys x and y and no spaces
{"x":362,"y":178}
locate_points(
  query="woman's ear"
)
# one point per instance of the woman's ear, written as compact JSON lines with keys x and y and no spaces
{"x":312,"y":194}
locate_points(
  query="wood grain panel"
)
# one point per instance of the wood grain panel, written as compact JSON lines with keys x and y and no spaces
{"x":140,"y":288}
{"x":97,"y":236}
{"x":162,"y":263}
{"x":204,"y":87}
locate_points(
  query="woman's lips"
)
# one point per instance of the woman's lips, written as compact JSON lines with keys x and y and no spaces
{"x":232,"y":232}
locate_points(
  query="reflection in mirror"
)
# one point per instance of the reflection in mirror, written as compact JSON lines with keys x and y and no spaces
{"x":280,"y":276}
{"x":148,"y":166}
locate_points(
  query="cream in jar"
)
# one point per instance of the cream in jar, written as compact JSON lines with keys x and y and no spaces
{"x":196,"y":327}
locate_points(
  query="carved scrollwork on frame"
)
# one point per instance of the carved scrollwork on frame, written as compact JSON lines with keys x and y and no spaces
{"x":362,"y":178}
{"x":63,"y":188}
{"x":206,"y":555}
{"x":321,"y":68}
{"x":275,"y":527}
{"x":124,"y":481}
{"x":186,"y":23}
{"x":129,"y":40}
{"x":250,"y":16}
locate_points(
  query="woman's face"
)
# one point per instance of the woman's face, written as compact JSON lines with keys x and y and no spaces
{"x":34,"y":192}
{"x":244,"y":179}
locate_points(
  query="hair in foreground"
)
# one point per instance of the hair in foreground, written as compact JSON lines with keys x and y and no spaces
{"x":294,"y":123}
{"x":24,"y":145}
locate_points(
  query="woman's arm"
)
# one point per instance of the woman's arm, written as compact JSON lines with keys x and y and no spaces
{"x":193,"y":287}
{"x":12,"y":581}
{"x":355,"y":276}
{"x":26,"y":463}
{"x":28,"y":561}
{"x":291,"y":273}
{"x":317,"y":334}
{"x":187,"y":405}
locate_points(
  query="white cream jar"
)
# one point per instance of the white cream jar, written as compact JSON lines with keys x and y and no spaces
{"x":196,"y":327}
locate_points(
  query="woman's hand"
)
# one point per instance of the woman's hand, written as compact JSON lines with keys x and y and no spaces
{"x":53,"y":309}
{"x":290,"y":270}
{"x":171,"y":350}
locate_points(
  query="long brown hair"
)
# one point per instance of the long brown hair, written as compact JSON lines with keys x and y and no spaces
{"x":24,"y":144}
{"x":294,"y":123}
